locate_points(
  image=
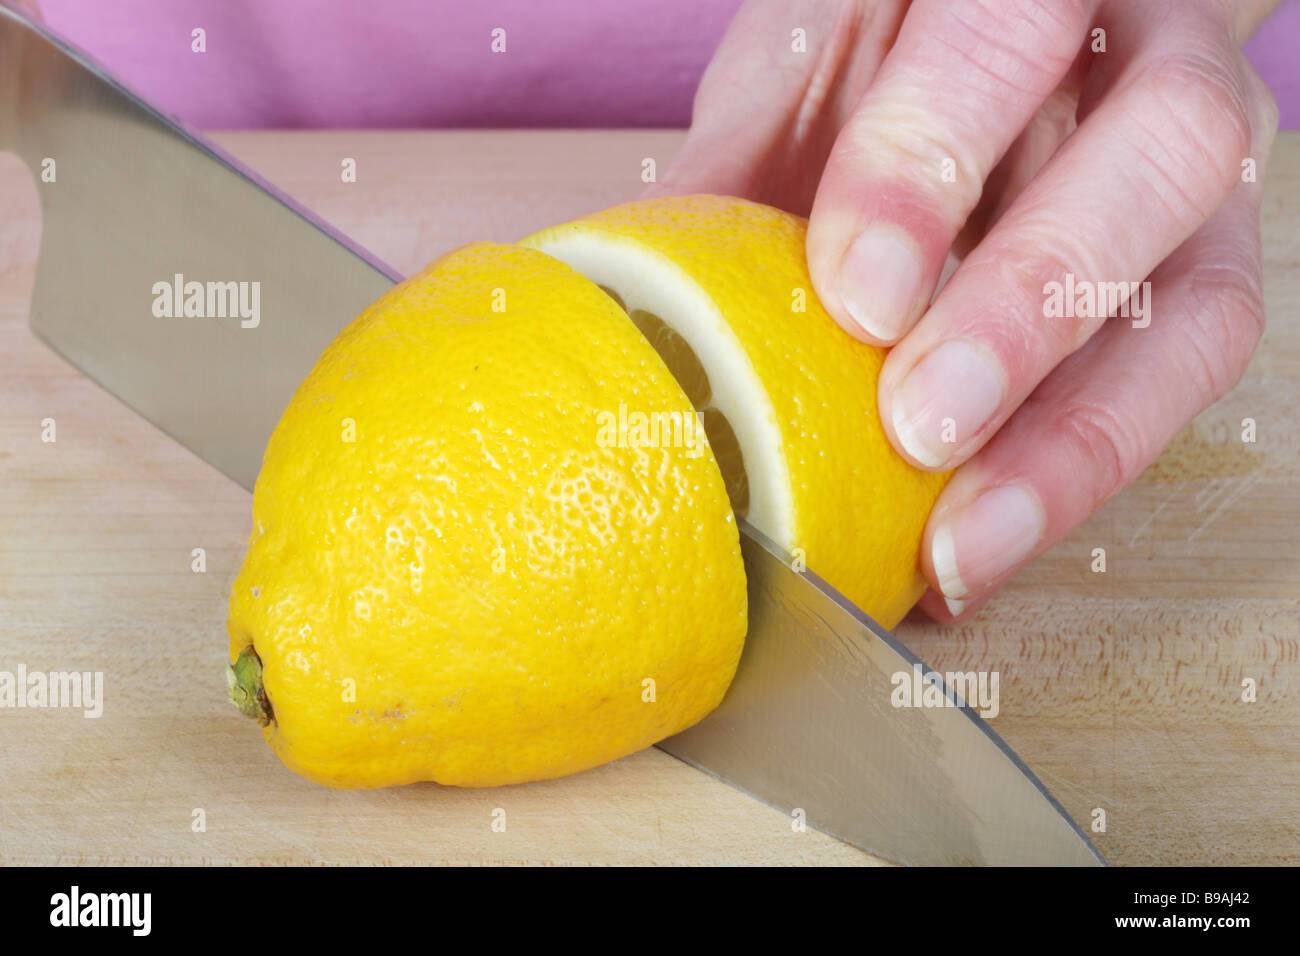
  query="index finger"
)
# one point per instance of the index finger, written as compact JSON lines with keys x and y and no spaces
{"x":961,"y":82}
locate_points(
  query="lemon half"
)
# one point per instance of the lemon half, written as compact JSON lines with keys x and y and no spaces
{"x":455,"y":572}
{"x":720,"y":287}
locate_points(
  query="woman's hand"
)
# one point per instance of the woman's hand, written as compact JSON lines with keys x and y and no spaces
{"x":1058,"y":147}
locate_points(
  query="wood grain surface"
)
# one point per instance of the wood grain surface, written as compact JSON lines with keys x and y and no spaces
{"x":1122,"y":690}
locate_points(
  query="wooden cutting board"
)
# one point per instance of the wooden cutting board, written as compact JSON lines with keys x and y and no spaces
{"x":1122,"y":690}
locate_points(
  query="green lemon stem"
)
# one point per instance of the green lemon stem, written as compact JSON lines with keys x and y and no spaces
{"x":244,"y":678}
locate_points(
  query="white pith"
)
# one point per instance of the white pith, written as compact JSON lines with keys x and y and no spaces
{"x":647,"y":280}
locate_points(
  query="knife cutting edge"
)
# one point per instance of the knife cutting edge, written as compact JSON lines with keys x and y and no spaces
{"x":809,"y":724}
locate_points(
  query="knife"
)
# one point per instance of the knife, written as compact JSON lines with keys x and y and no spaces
{"x":136,"y":206}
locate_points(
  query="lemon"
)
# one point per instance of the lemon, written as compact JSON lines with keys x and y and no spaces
{"x":720,"y":287}
{"x":462,"y":567}
{"x":489,"y":545}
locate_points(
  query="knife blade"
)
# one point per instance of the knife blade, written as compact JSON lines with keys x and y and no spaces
{"x":138,"y":202}
{"x":811,"y":723}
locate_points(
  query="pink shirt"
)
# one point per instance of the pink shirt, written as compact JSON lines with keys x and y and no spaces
{"x":394,"y":63}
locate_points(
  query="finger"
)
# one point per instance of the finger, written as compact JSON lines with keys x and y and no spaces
{"x":1144,"y":170}
{"x":960,"y":84}
{"x":1041,"y":138}
{"x":1105,"y":414}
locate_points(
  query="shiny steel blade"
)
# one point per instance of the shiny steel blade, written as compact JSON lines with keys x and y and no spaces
{"x":136,"y":200}
{"x":808,"y":723}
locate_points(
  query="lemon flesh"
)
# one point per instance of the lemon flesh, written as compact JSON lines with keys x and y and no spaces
{"x":694,"y":380}
{"x":720,"y":287}
{"x":453,"y":574}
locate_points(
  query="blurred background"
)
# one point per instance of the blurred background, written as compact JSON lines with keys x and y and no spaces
{"x":414,"y":63}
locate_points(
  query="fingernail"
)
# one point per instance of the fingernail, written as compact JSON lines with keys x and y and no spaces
{"x":945,"y":399}
{"x":981,"y":541}
{"x":954,"y":607}
{"x":880,"y":281}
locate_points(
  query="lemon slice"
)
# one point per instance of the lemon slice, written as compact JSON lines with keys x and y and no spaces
{"x":720,"y":287}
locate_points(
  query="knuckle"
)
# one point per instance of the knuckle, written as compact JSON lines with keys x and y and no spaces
{"x":1014,"y":41}
{"x":1226,"y":325}
{"x":1206,"y":101}
{"x":1026,"y":280}
{"x":1106,"y":445}
{"x":897,"y":137}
